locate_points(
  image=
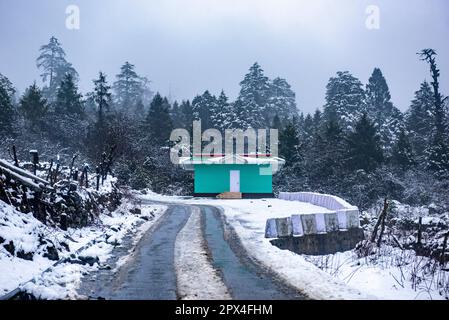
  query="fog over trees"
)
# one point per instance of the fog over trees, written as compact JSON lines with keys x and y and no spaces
{"x":359,"y":145}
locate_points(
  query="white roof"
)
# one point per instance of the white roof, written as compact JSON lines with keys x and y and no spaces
{"x":276,"y":163}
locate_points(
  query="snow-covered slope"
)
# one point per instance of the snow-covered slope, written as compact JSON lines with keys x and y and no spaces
{"x":87,"y":248}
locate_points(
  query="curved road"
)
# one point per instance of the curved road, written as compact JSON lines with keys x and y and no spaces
{"x":150,"y":272}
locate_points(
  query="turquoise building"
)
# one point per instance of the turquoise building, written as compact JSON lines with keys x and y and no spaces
{"x":251,"y":176}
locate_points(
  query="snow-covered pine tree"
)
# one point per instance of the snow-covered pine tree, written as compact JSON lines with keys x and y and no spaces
{"x":139,"y":109}
{"x":308,"y":128}
{"x":65,"y":123}
{"x":98,"y":136}
{"x":345,"y":100}
{"x":6,"y":105}
{"x":204,"y":107}
{"x":158,"y":121}
{"x":277,"y":123}
{"x":402,"y":153}
{"x":252,"y":101}
{"x":300,"y":125}
{"x":290,"y":144}
{"x":128,"y":88}
{"x":222,"y":116}
{"x":147,"y":94}
{"x":364,"y":150}
{"x":175,"y":114}
{"x":281,"y":101}
{"x":419,"y":120}
{"x":317,"y":119}
{"x":8,"y":86}
{"x":102,"y":96}
{"x":381,"y":110}
{"x":438,"y":151}
{"x":186,"y":115}
{"x":33,"y":107}
{"x":68,"y":99}
{"x":52,"y":61}
{"x":325,"y":157}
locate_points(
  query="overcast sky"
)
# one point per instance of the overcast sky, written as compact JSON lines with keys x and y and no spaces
{"x":188,"y":46}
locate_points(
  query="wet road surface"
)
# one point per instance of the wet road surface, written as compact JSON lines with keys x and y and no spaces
{"x":150,"y":274}
{"x":244,"y":279}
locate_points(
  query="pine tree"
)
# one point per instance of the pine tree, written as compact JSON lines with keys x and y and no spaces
{"x":276,"y":124}
{"x":54,"y":67}
{"x":102,"y":96}
{"x":99,"y":137}
{"x":158,"y":121}
{"x":402,"y":155}
{"x":147,"y":93}
{"x":317,"y":118}
{"x":252,"y":101}
{"x":6,"y":105}
{"x":378,"y":98}
{"x":68,"y":99}
{"x":33,"y":106}
{"x":379,"y":107}
{"x":186,"y":113}
{"x":289,"y":144}
{"x":8,"y":86}
{"x":419,"y":119}
{"x":128,"y":88}
{"x":438,"y":151}
{"x":281,"y":101}
{"x":222,"y":116}
{"x":139,"y":109}
{"x":308,"y":127}
{"x":204,"y":107}
{"x":364,"y":151}
{"x":175,"y":114}
{"x":326,"y":154}
{"x":345,"y":99}
{"x":300,"y":120}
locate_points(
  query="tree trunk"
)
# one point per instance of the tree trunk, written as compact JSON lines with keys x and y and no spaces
{"x":443,"y":251}
{"x":379,"y":221}
{"x":419,"y":241}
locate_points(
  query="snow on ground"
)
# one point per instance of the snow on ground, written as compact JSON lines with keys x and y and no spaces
{"x":93,"y":243}
{"x":291,"y":267}
{"x":388,"y":275}
{"x":253,"y":213}
{"x":391,"y":274}
{"x":191,"y":259}
{"x":23,"y":230}
{"x":248,"y":218}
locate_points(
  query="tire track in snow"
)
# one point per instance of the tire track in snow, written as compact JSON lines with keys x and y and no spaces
{"x":196,"y":277}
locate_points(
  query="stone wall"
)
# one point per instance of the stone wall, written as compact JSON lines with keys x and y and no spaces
{"x":322,"y":243}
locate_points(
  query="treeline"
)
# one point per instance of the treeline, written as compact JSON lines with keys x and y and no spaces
{"x":363,"y":148}
{"x":360,"y":146}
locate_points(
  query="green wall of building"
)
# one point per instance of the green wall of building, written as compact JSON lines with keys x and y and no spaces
{"x":215,"y":178}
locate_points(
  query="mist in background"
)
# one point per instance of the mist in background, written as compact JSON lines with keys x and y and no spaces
{"x":187,"y":46}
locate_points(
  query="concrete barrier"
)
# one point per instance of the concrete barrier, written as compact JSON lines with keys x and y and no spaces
{"x":340,"y":222}
{"x":342,"y":213}
{"x":309,"y":223}
{"x":297,"y":226}
{"x":271,"y":229}
{"x":323,"y":200}
{"x":331,"y":221}
{"x":284,"y":227}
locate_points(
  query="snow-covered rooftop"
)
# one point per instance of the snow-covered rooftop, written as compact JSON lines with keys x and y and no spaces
{"x":187,"y":163}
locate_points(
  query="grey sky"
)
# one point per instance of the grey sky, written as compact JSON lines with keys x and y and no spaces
{"x":193,"y":45}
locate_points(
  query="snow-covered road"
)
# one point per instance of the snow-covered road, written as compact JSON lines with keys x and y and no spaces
{"x":189,"y":254}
